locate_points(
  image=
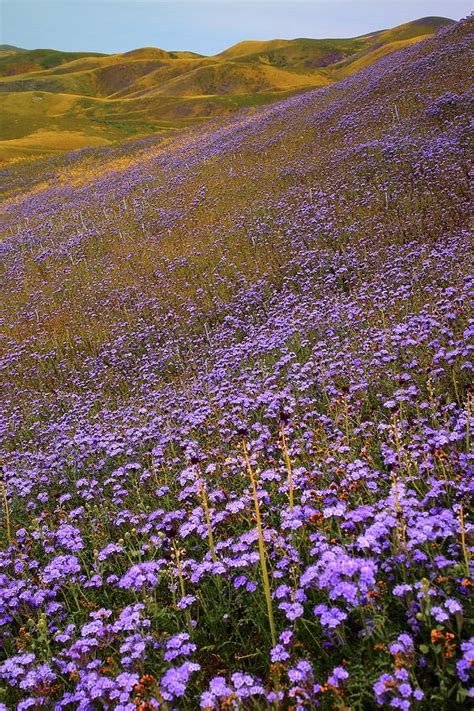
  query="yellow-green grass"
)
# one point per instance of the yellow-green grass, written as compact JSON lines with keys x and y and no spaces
{"x":299,"y":54}
{"x":416,"y":28}
{"x":230,"y":78}
{"x":43,"y":142}
{"x":368,"y":57}
{"x":42,"y":123}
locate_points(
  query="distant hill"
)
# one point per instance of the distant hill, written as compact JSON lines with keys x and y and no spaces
{"x":52,"y":101}
{"x":23,"y":61}
{"x":10,"y":48}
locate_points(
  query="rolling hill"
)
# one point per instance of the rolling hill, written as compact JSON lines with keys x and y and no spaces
{"x":236,"y":406}
{"x":51,"y":101}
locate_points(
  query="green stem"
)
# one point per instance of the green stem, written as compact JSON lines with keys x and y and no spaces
{"x":289,"y":468}
{"x":465,"y":550}
{"x":205,"y":505}
{"x":261,"y":549}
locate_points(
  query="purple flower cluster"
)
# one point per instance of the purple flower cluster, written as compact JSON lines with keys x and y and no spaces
{"x":240,"y":687}
{"x":395,"y":691}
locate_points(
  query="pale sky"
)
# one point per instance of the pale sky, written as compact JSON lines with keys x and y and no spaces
{"x":205,"y":26}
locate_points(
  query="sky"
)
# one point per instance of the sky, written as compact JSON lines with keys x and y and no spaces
{"x":204,"y":26}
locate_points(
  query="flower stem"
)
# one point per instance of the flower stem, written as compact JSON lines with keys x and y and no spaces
{"x":7,"y":512}
{"x":465,"y":550}
{"x":261,"y":548}
{"x":205,"y":505}
{"x":289,"y":468}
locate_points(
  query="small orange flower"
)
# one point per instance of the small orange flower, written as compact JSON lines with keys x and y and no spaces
{"x":400,"y":661}
{"x":147,"y":679}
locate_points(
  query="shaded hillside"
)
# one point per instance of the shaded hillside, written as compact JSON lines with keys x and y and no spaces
{"x":236,"y":410}
{"x":108,"y":97}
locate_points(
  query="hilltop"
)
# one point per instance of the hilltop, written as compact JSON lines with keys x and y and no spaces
{"x":10,"y":47}
{"x":236,"y":411}
{"x":53,"y":101}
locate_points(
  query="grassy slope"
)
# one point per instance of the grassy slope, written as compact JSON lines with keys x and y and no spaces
{"x":190,"y":141}
{"x":102,"y":98}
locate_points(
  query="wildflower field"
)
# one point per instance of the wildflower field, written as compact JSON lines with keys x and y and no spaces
{"x":237,"y":407}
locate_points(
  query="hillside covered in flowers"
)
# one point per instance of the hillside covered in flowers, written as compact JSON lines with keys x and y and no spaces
{"x":237,"y":409}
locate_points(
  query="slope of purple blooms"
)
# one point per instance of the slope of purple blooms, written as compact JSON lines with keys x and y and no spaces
{"x":237,"y":412}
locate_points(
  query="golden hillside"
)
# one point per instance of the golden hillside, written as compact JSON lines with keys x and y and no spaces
{"x":54,"y":101}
